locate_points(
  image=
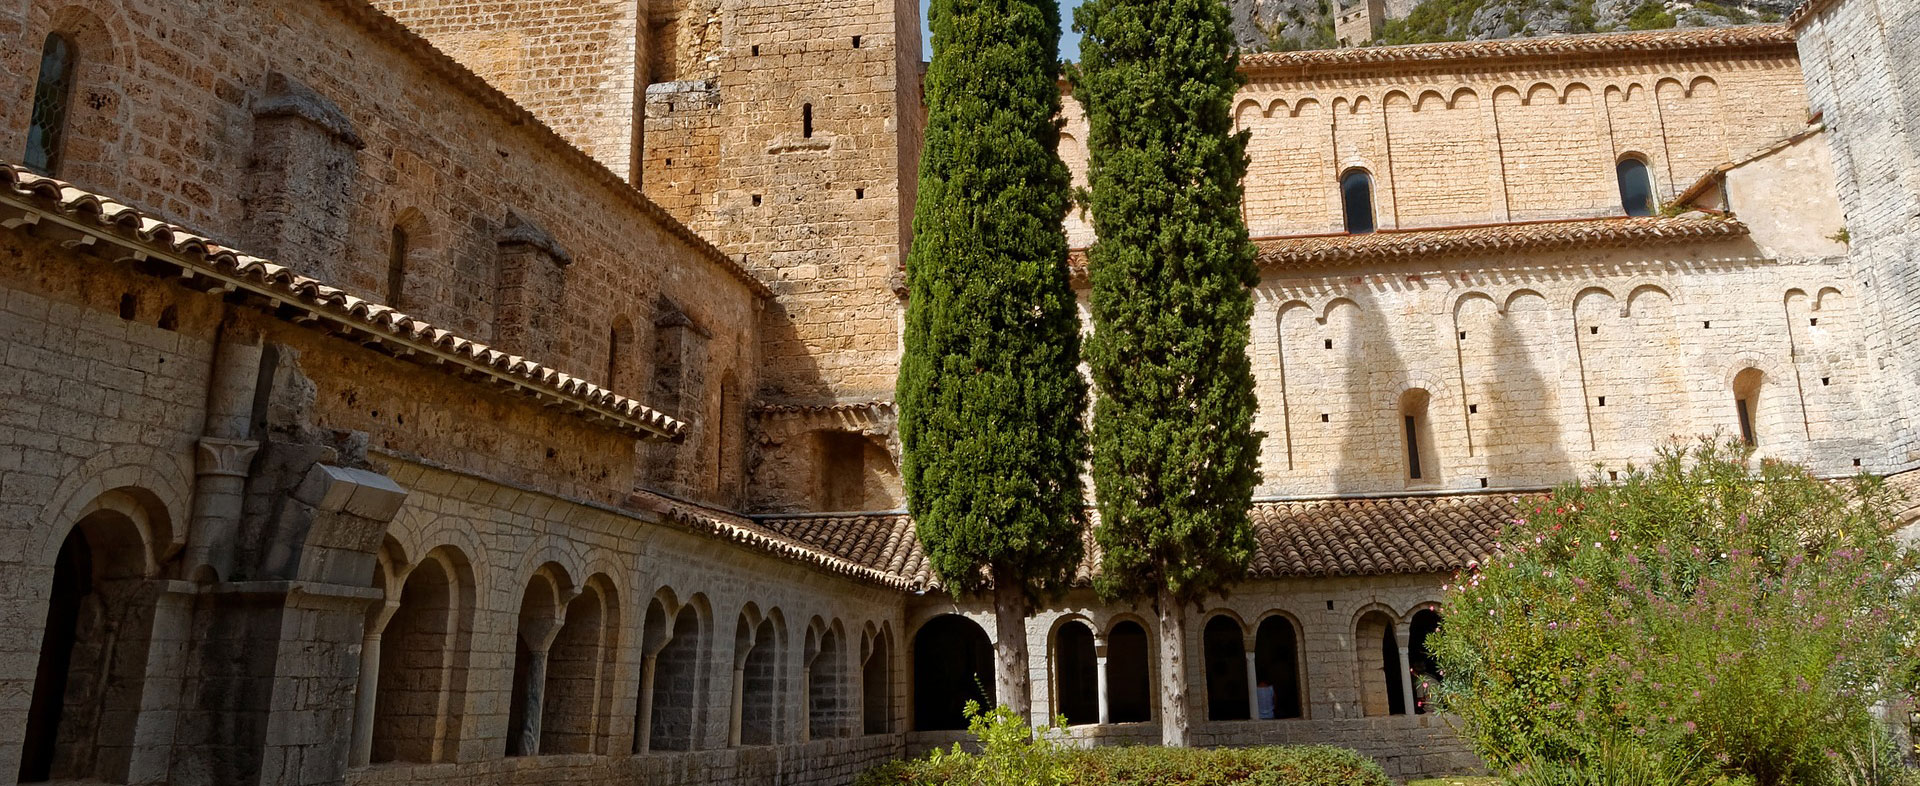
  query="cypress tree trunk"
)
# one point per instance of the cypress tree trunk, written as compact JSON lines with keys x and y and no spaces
{"x":1175,"y":726}
{"x":1012,"y":683}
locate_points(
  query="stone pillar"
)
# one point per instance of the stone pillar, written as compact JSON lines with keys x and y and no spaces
{"x":532,"y":282}
{"x":367,"y":697}
{"x":1253,"y":687}
{"x":538,"y":637}
{"x":739,"y":704}
{"x":300,"y":176}
{"x":150,"y":760}
{"x":643,"y":726}
{"x":225,"y":457}
{"x":806,"y":705}
{"x":1100,"y":674}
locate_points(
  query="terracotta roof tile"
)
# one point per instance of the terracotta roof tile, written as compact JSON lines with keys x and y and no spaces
{"x":1350,"y":537}
{"x":1309,"y":251}
{"x":866,"y":553}
{"x":1806,"y":11}
{"x":1638,"y":43}
{"x":43,"y":203}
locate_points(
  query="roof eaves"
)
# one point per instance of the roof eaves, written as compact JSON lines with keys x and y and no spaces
{"x":97,"y":219}
{"x":1593,"y":45}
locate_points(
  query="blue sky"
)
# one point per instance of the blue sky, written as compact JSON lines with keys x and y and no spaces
{"x":1069,"y":40}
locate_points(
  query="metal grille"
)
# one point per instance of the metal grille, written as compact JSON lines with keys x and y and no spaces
{"x":51,"y":96}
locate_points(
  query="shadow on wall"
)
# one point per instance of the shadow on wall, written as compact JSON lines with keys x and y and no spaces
{"x":1367,"y":459}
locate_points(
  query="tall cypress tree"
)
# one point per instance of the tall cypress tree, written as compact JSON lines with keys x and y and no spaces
{"x":991,"y":399}
{"x":1175,"y":457}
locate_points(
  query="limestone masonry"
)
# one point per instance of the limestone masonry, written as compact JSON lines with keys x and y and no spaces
{"x":500,"y":391}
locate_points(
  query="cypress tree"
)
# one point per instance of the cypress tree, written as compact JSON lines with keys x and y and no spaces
{"x":1175,"y":457}
{"x":990,"y":396}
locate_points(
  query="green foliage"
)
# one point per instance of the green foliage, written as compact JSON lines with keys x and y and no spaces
{"x":1703,"y":617}
{"x":991,"y":398}
{"x":1432,"y":21}
{"x":1651,"y":15}
{"x":1011,"y":754}
{"x":1175,"y":456}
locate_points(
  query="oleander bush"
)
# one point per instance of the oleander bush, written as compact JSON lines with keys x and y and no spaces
{"x":1010,"y":754}
{"x":1706,"y":619}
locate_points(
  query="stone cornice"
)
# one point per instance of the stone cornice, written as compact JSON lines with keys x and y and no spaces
{"x":1558,"y":48}
{"x":92,"y":223}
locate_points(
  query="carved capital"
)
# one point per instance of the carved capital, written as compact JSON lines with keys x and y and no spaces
{"x":229,"y":457}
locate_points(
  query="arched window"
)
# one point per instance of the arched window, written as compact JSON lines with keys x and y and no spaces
{"x":876,"y":689}
{"x":1226,"y":664}
{"x":539,"y":620}
{"x":1426,"y":675}
{"x":1417,"y":429}
{"x":51,"y":96}
{"x":826,"y":687}
{"x":619,"y":345}
{"x":1378,"y":651}
{"x":758,"y":680}
{"x":1636,"y":186}
{"x":1746,"y":402}
{"x":1276,"y":665}
{"x":415,"y":706}
{"x":952,"y":663}
{"x":669,"y":715}
{"x":1356,"y":196}
{"x":1075,"y":674}
{"x":1129,"y":692}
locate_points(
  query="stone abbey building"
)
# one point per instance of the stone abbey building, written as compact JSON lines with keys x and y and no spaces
{"x":499,"y":391}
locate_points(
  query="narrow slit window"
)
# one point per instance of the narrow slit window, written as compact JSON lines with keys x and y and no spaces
{"x":1746,"y":401}
{"x":1356,"y":196}
{"x":52,"y":95}
{"x":1413,"y":448}
{"x":806,"y":121}
{"x":397,"y":250}
{"x":1636,"y":187}
{"x":1746,"y":419}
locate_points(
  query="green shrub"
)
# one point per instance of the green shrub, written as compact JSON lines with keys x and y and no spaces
{"x":1013,"y":755}
{"x":1703,"y":614}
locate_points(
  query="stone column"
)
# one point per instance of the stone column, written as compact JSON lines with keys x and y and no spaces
{"x":1100,"y":675}
{"x":367,"y":697}
{"x":225,"y":455}
{"x":806,"y":705}
{"x":643,"y":726}
{"x":539,"y":640}
{"x":739,"y":704}
{"x":1253,"y":688}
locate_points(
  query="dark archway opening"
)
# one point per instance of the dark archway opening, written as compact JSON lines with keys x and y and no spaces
{"x":952,"y":664}
{"x":1426,"y":674}
{"x":1276,"y":661}
{"x":1129,"y":689}
{"x":72,"y":582}
{"x":1226,"y":656}
{"x":1075,"y":674}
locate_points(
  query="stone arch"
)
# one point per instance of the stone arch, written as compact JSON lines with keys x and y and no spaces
{"x":577,"y":700}
{"x":1460,"y":299}
{"x":141,"y":480}
{"x":99,"y":622}
{"x":952,"y":664}
{"x":826,"y":679}
{"x":1421,"y":623}
{"x":1129,"y":670}
{"x":543,"y":606}
{"x":1377,"y":661}
{"x":674,"y":685}
{"x":1224,"y":663}
{"x":876,"y":680}
{"x":1468,"y":92}
{"x":1279,"y":667}
{"x":759,"y":649}
{"x":1075,"y":660}
{"x":419,"y":696}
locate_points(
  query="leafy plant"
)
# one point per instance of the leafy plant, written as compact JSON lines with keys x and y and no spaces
{"x":1703,"y":609}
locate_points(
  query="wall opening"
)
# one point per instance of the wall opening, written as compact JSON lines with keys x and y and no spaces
{"x":1276,"y":669}
{"x":1075,"y":677}
{"x":413,"y":699}
{"x":1356,"y":199}
{"x":1426,"y":674}
{"x":806,"y":121}
{"x":952,"y":664}
{"x":1129,"y":682}
{"x":1636,"y":186}
{"x":1379,"y":662}
{"x":826,"y":688}
{"x":1226,"y":665}
{"x":1417,"y":436}
{"x":52,"y":96}
{"x":876,"y":688}
{"x":1746,"y":403}
{"x":760,"y":705}
{"x":577,"y":667}
{"x":539,"y":609}
{"x":619,"y":347}
{"x":397,"y":250}
{"x":677,"y":683}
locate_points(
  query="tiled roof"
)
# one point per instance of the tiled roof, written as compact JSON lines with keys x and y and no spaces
{"x":856,"y":552}
{"x":1308,"y":251}
{"x":32,"y":203}
{"x":1346,"y":537}
{"x":1635,"y":44}
{"x":842,"y":406}
{"x":1806,"y":11}
{"x":437,"y":63}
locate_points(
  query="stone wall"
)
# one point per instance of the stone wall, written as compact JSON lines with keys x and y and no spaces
{"x":1863,"y":81}
{"x":1488,"y":141}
